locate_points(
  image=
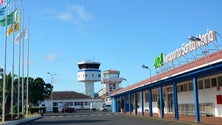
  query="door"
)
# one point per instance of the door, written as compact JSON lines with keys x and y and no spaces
{"x":170,"y":102}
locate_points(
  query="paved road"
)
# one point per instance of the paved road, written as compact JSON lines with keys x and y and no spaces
{"x":99,"y":118}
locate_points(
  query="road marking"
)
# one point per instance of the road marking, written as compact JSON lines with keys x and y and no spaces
{"x":83,"y":115}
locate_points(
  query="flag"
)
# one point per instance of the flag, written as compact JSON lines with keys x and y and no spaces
{"x":10,"y":19}
{"x":2,"y":10}
{"x":22,"y":35}
{"x":10,"y":30}
{"x":1,"y":1}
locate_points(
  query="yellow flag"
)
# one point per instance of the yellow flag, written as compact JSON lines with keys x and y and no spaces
{"x":10,"y":30}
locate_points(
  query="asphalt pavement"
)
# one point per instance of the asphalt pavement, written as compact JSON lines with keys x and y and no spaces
{"x":100,"y":118}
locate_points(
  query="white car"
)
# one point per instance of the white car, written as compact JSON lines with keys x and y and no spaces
{"x":106,"y":108}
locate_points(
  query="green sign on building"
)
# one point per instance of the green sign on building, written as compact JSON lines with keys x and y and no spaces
{"x":158,"y":61}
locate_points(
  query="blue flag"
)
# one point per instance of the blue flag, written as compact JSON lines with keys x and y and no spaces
{"x":2,"y":11}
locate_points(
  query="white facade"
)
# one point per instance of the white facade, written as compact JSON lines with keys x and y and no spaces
{"x":209,"y":88}
{"x":89,"y":75}
{"x":77,"y":103}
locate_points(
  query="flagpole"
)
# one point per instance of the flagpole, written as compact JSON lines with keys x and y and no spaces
{"x":18,"y":100}
{"x":22,"y":63}
{"x":27,"y":80}
{"x":13,"y":51}
{"x":19,"y":56}
{"x":5,"y":54}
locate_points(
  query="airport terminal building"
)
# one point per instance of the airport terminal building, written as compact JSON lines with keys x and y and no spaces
{"x":188,"y":82}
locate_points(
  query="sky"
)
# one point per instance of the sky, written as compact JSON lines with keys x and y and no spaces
{"x":120,"y":34}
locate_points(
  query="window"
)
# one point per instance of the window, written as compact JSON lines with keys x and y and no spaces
{"x":184,"y":87}
{"x":69,"y":103}
{"x":190,"y":85}
{"x":181,"y":88}
{"x":110,"y":88}
{"x":55,"y":104}
{"x":114,"y":86}
{"x":178,"y":88}
{"x":220,"y":80}
{"x":200,"y":84}
{"x":154,"y":98}
{"x":78,"y":103}
{"x":169,"y":89}
{"x":213,"y":82}
{"x":87,"y":103}
{"x":207,"y":83}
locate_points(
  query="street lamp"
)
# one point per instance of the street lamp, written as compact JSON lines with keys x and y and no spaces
{"x":196,"y":39}
{"x":52,"y":75}
{"x":146,"y":67}
{"x":126,"y":81}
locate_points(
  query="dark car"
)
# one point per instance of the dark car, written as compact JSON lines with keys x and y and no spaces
{"x":68,"y":109}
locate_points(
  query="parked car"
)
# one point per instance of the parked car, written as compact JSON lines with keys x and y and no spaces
{"x":106,"y":108}
{"x":69,"y":109}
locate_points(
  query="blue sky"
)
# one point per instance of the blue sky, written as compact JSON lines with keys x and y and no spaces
{"x":121,"y":34}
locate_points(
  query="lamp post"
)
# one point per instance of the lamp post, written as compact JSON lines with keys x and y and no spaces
{"x":125,"y":80}
{"x":196,"y":39}
{"x":52,"y":75}
{"x":146,"y":67}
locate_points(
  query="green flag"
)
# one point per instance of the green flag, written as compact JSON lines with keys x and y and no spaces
{"x":10,"y":19}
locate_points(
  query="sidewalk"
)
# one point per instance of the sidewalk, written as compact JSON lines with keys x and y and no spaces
{"x":185,"y":118}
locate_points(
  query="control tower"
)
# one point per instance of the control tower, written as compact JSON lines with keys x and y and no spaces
{"x":111,"y":81}
{"x":89,"y":73}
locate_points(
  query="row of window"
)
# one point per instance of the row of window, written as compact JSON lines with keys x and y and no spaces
{"x":108,"y":75}
{"x":206,"y":83}
{"x":202,"y":84}
{"x":204,"y":107}
{"x":73,"y":103}
{"x":112,"y":86}
{"x":85,"y":75}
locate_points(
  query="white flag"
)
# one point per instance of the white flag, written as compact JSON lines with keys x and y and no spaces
{"x":22,"y":35}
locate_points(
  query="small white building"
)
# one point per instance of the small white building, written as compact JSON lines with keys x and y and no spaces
{"x":62,"y":99}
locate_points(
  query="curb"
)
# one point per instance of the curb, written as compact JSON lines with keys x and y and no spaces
{"x":16,"y":122}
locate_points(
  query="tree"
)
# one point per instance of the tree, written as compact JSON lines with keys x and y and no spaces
{"x":39,"y":90}
{"x":48,"y":88}
{"x":36,"y":90}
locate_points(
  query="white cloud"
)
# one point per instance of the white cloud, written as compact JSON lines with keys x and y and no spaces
{"x":47,"y":13}
{"x":51,"y":57}
{"x":65,"y":16}
{"x":76,"y":14}
{"x":80,"y":12}
{"x":70,"y":12}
